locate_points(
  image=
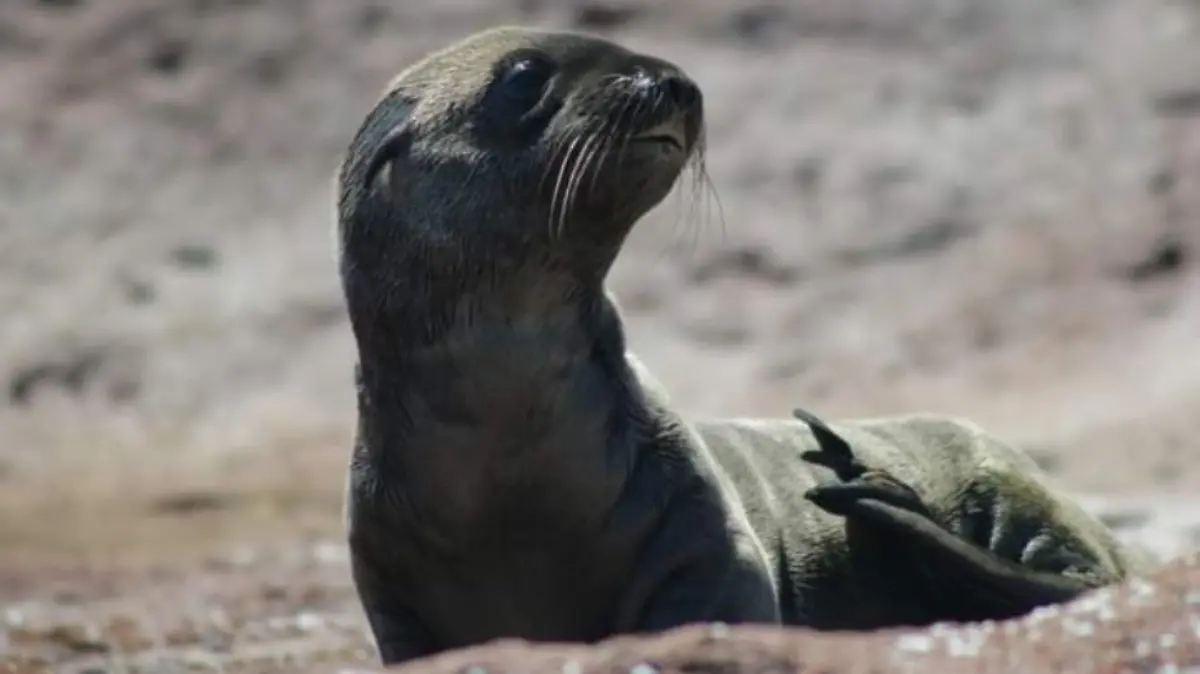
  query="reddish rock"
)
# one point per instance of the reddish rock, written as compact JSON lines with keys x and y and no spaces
{"x":1150,"y":625}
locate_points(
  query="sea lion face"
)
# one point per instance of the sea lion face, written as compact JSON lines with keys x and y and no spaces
{"x":524,"y":137}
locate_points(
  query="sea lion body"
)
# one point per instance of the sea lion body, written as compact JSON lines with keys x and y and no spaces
{"x":516,"y":473}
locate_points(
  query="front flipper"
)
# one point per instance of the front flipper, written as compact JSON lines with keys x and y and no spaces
{"x":835,"y":453}
{"x":972,"y":583}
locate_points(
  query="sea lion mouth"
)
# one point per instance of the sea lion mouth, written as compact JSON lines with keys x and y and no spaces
{"x":666,"y":140}
{"x":668,"y":136}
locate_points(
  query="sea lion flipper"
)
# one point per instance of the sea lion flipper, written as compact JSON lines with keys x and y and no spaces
{"x":976,"y":583}
{"x":829,"y":440}
{"x":972,"y":583}
{"x":843,"y":498}
{"x":858,"y":481}
{"x":835,"y":452}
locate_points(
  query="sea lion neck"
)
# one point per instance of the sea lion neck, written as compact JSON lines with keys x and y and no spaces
{"x":438,"y":315}
{"x":501,"y":401}
{"x":407,"y":298}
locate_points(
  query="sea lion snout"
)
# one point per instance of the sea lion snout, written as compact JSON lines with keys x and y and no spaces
{"x":670,"y":82}
{"x":681,"y":90}
{"x":676,"y":105}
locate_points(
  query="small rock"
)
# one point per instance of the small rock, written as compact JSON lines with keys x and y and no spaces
{"x":1181,"y":102}
{"x":71,"y":372}
{"x":190,"y":503}
{"x":195,"y":256}
{"x":77,"y":638}
{"x":309,"y":622}
{"x":60,"y":4}
{"x":755,"y":24}
{"x":747,"y":261}
{"x":168,"y":57}
{"x":1168,"y":257}
{"x":599,"y":16}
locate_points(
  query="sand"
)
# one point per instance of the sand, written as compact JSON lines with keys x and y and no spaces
{"x":981,"y":208}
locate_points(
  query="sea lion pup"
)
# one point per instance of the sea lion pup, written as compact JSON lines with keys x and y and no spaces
{"x":515,"y":472}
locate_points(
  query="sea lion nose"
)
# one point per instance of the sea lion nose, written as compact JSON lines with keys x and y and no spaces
{"x":676,"y":86}
{"x":680,"y":89}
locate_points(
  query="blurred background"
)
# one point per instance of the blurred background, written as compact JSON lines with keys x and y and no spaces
{"x":981,"y":207}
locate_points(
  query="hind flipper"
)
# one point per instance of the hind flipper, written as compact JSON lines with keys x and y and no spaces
{"x":970,"y":582}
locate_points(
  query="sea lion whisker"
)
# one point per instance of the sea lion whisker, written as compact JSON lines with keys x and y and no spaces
{"x":590,"y":155}
{"x":712,"y":196}
{"x":630,"y":110}
{"x":565,"y":199}
{"x":595,"y":140}
{"x":558,"y":194}
{"x":559,"y":150}
{"x":593,"y":154}
{"x":691,"y":198}
{"x":609,"y":130}
{"x":557,"y":146}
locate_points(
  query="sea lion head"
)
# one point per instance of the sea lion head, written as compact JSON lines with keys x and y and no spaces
{"x":511,"y":149}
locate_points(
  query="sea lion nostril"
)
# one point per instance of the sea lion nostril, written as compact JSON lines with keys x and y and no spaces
{"x":682,"y":90}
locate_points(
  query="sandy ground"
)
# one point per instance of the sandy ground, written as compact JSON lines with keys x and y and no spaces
{"x":984,"y":208}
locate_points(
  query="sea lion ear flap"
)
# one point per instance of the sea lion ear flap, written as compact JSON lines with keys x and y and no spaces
{"x":395,"y":143}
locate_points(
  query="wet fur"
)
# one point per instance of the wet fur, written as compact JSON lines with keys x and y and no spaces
{"x":517,"y":474}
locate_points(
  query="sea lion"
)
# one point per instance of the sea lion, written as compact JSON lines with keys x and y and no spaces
{"x":517,"y":473}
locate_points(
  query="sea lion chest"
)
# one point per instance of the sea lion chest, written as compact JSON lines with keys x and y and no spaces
{"x":496,"y":521}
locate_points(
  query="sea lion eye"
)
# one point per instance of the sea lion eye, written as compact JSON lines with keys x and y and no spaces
{"x":525,"y":80}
